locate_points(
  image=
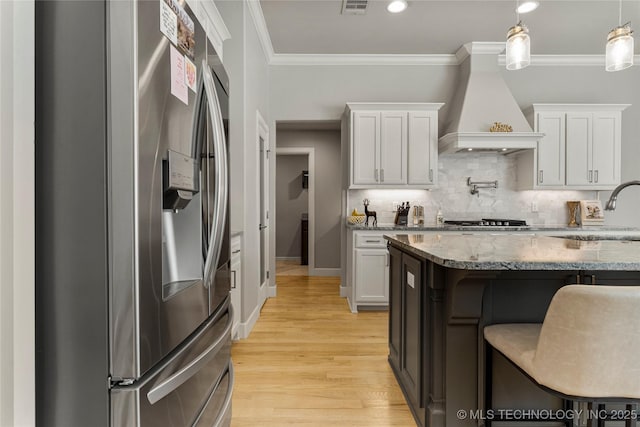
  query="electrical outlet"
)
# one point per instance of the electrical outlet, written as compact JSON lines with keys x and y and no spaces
{"x":534,"y":206}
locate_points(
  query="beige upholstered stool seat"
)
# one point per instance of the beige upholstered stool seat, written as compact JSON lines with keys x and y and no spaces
{"x":517,"y":342}
{"x":587,"y":347}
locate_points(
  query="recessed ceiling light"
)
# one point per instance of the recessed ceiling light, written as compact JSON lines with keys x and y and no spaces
{"x":504,"y":149}
{"x":397,"y":6}
{"x":469,"y":149}
{"x":528,"y":6}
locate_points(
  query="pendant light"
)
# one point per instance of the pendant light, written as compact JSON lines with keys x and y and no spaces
{"x":397,"y":6}
{"x":518,"y":54}
{"x":619,"y":51}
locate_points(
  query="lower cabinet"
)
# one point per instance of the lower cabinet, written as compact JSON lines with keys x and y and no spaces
{"x":407,"y":328}
{"x":372,"y":276}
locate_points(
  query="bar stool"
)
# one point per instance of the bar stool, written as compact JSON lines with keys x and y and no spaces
{"x":587,"y":348}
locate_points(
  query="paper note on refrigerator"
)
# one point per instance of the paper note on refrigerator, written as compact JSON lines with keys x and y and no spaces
{"x":179,"y":87}
{"x":190,"y":73}
{"x":168,"y":22}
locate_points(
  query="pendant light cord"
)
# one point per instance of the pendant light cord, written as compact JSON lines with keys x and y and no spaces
{"x":620,"y":14}
{"x":518,"y":12}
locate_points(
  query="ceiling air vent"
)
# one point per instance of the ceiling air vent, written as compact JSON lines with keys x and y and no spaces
{"x":354,"y":7}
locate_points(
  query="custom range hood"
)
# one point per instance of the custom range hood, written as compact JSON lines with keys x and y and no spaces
{"x":481,"y":99}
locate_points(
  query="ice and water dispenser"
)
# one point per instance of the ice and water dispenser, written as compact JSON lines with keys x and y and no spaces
{"x":182,"y":245}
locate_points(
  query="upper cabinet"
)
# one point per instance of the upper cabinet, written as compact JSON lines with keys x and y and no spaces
{"x":580,"y":149}
{"x":392,"y":145}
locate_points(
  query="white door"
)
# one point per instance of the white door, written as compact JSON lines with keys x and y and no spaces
{"x":579,"y":149}
{"x":372,"y":275}
{"x":551,"y":149}
{"x":422,"y":148}
{"x":365,"y":143}
{"x":393,"y":148}
{"x":606,"y":148}
{"x":263,"y":204}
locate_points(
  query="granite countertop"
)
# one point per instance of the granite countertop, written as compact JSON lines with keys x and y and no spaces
{"x":530,"y":228}
{"x":521,"y":252}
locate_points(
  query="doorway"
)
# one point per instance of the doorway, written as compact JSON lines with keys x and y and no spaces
{"x":295,"y":229}
{"x":263,"y":202}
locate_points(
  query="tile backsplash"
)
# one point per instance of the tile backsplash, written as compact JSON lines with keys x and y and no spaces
{"x":453,"y":197}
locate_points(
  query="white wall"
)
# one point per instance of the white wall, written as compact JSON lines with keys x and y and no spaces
{"x":321,"y":92}
{"x":248,"y":71}
{"x":17,"y":312}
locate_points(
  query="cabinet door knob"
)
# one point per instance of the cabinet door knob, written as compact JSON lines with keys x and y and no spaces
{"x":431,"y":175}
{"x":375,"y":174}
{"x":540,"y":176}
{"x":596,"y":175}
{"x":381,"y":175}
{"x":590,"y":176}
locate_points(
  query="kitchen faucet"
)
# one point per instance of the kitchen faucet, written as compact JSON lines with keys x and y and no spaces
{"x":611,"y":204}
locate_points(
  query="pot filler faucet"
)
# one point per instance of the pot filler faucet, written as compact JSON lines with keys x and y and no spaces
{"x":611,"y":204}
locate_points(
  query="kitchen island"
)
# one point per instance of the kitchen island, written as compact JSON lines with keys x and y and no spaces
{"x":444,"y":289}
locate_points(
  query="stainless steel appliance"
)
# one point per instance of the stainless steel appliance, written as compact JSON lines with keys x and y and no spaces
{"x":133,"y":317}
{"x":488,"y":222}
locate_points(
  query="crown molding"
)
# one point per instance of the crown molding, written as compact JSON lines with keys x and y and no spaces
{"x":261,"y":28}
{"x":483,"y":48}
{"x":479,"y":48}
{"x":362,"y":59}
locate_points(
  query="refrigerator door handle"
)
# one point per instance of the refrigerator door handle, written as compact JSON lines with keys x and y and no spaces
{"x":176,"y":380}
{"x":220,"y":147}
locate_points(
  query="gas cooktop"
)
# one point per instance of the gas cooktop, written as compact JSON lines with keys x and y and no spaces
{"x":489,"y":222}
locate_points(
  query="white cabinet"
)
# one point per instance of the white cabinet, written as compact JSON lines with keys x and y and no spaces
{"x":593,"y":148}
{"x":581,"y":149}
{"x":379,"y":147}
{"x":551,"y":149}
{"x":372,"y":276}
{"x":366,"y":140}
{"x":236,"y":282}
{"x":393,"y":148}
{"x":422,"y":153}
{"x":367,"y":269}
{"x":392,"y":145}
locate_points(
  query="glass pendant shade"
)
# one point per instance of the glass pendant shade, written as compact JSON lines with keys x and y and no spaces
{"x":518,"y":54}
{"x":619,"y":53}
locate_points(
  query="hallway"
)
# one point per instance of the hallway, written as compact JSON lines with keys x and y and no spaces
{"x":310,"y":362}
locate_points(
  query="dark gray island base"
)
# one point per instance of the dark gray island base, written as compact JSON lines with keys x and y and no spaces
{"x":445,"y":289}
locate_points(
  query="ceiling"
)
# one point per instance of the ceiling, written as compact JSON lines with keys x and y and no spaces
{"x":557,"y":27}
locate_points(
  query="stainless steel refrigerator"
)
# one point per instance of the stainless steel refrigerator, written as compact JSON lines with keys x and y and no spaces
{"x":133,"y":317}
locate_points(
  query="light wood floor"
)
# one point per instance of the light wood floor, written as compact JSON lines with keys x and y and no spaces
{"x":291,"y":267}
{"x":310,"y":362}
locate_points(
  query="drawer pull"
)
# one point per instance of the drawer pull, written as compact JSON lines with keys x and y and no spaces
{"x":372,"y":241}
{"x":237,"y":251}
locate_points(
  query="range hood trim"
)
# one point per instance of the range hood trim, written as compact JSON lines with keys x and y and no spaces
{"x":456,"y":142}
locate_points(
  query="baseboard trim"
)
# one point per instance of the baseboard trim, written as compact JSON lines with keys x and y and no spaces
{"x":271,"y":291}
{"x":245,"y":328}
{"x":325,"y":272}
